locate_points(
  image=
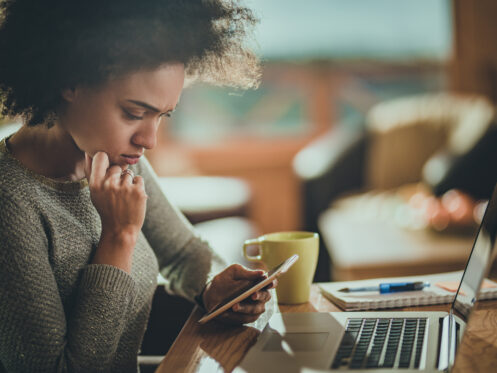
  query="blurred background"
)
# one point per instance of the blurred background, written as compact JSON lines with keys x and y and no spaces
{"x":325,"y":64}
{"x":357,"y":96}
{"x":364,"y":108}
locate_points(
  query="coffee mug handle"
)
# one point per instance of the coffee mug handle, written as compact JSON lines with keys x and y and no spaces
{"x":252,"y":242}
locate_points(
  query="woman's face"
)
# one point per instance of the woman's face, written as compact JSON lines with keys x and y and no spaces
{"x":121,"y":117}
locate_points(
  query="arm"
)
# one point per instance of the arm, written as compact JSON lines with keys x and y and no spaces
{"x":186,"y":261}
{"x":189,"y":263}
{"x":35,"y":332}
{"x":120,"y":201}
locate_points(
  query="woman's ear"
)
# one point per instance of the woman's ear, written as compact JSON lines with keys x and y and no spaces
{"x":69,"y":94}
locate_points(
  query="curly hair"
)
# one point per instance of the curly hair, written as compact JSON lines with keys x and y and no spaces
{"x":51,"y":45}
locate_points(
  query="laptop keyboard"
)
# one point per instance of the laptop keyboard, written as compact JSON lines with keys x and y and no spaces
{"x":381,"y":343}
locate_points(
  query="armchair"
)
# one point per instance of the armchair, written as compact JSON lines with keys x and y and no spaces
{"x":406,"y":140}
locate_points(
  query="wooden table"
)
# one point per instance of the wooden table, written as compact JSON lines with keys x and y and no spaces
{"x":363,"y":246}
{"x":217,"y":348}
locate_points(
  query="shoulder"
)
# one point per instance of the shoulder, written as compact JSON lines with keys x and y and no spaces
{"x":11,"y":177}
{"x":16,"y":207}
{"x":143,"y":168}
{"x":20,"y":196}
{"x":22,"y":226}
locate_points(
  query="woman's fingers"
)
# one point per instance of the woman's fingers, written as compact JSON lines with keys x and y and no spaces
{"x":242,"y":273}
{"x":250,"y":309}
{"x":113,"y":176}
{"x":88,"y":161}
{"x":140,"y":186}
{"x":255,"y":304}
{"x":231,"y":280}
{"x":127,"y":177}
{"x":99,"y":166}
{"x":261,"y":296}
{"x":138,"y":181}
{"x":118,"y":195}
{"x":272,"y":285}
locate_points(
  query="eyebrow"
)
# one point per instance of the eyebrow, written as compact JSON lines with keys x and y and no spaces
{"x":145,"y":105}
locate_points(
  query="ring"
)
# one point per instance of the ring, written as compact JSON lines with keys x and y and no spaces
{"x":128,"y":172}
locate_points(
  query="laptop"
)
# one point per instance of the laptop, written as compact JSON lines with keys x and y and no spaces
{"x":379,"y":341}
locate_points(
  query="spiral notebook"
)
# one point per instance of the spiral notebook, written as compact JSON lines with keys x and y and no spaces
{"x":441,"y":290}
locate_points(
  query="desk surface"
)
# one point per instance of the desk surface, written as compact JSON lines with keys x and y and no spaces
{"x":217,"y":348}
{"x":361,"y":246}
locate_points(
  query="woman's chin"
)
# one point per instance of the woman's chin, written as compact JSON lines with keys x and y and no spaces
{"x":121,"y":164}
{"x":116,"y":161}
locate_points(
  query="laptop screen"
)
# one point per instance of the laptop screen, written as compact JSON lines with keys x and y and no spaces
{"x":480,"y":259}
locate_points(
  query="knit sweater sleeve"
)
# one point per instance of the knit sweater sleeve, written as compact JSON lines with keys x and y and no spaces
{"x":36,"y":335}
{"x":186,"y":261}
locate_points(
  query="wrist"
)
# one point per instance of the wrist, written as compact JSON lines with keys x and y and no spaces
{"x":115,"y":249}
{"x":201,"y":298}
{"x":121,"y":239}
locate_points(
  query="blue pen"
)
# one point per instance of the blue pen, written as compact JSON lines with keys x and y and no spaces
{"x":390,"y":287}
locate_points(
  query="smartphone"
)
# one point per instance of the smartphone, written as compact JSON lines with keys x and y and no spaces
{"x":271,"y":275}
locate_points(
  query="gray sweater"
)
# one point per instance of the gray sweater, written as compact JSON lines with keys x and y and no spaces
{"x":60,"y":313}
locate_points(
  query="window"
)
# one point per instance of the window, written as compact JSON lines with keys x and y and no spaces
{"x":357,"y":51}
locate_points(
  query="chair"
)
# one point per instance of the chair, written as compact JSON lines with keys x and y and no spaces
{"x":400,"y":139}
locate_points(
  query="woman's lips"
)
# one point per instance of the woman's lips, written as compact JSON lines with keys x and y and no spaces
{"x":131,"y":159}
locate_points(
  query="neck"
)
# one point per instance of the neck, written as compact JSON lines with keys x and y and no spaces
{"x":50,"y":152}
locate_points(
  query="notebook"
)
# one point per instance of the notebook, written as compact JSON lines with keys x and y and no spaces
{"x":441,"y":290}
{"x":378,"y":341}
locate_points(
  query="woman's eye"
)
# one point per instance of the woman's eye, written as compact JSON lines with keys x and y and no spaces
{"x":131,"y":116}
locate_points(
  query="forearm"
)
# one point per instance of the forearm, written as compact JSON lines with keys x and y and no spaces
{"x":115,"y":249}
{"x":191,"y":268}
{"x":86,"y":342}
{"x":120,"y":200}
{"x":46,"y":325}
{"x":99,"y":317}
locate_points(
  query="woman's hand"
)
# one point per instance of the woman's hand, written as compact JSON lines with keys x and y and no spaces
{"x":120,"y":201}
{"x":228,"y":283}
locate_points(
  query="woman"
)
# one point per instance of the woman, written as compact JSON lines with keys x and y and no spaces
{"x":84,"y":226}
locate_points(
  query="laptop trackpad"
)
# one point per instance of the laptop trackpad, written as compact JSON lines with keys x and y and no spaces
{"x":296,"y":341}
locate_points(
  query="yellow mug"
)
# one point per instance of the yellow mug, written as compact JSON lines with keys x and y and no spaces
{"x":294,"y":286}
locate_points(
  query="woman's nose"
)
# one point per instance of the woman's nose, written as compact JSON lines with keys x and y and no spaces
{"x":146,"y":137}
